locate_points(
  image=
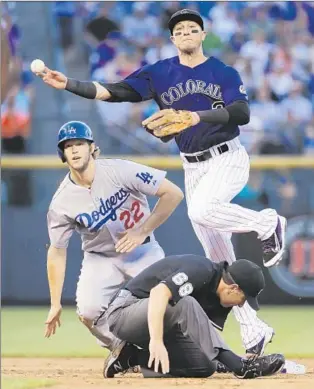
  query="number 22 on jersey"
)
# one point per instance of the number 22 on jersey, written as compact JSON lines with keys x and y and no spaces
{"x":132,"y":216}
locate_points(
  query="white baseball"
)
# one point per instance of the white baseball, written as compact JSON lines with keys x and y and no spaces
{"x":37,"y":66}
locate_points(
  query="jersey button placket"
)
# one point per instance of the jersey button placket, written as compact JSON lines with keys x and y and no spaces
{"x":194,"y":79}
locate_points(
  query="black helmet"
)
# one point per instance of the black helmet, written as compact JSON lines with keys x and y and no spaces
{"x":185,"y":14}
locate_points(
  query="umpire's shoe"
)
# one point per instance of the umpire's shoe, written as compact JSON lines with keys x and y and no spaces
{"x":262,"y":366}
{"x":273,"y":247}
{"x":120,"y":360}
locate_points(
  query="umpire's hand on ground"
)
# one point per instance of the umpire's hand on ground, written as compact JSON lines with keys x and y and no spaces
{"x":129,"y":240}
{"x":53,"y":320}
{"x":53,"y":78}
{"x":159,"y":354}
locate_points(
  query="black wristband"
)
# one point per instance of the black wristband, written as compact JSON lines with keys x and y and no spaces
{"x":236,"y":113}
{"x":214,"y":116}
{"x":85,"y":89}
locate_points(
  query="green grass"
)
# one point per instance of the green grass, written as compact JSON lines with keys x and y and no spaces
{"x":23,"y":333}
{"x":25,"y":383}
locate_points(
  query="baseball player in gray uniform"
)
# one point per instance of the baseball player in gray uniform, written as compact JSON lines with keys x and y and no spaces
{"x":105,"y":201}
{"x":202,"y":103}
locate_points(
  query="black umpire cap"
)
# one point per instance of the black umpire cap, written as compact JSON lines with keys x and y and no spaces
{"x":249,"y":277}
{"x":185,"y":14}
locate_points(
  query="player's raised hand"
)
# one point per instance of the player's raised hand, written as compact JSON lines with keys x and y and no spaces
{"x":53,"y":320}
{"x":53,"y":78}
{"x":159,"y":355}
{"x":129,"y":240}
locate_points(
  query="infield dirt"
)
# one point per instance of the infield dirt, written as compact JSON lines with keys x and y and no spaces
{"x":86,"y":373}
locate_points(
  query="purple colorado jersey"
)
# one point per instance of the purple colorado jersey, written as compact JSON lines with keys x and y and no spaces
{"x":209,"y":85}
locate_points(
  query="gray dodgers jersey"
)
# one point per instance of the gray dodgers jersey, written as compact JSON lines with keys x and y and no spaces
{"x":116,"y":202}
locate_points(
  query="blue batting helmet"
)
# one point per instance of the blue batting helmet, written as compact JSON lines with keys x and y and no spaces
{"x":73,"y":130}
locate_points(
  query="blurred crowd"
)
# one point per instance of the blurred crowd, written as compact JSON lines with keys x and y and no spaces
{"x":16,"y":109}
{"x":271,"y":44}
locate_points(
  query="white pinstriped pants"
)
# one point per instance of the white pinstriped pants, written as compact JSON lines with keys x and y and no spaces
{"x":209,"y":187}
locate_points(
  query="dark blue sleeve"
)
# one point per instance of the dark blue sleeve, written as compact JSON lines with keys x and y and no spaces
{"x":232,"y":86}
{"x":141,"y":82}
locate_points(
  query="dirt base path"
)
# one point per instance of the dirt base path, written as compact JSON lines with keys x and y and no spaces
{"x":83,"y":373}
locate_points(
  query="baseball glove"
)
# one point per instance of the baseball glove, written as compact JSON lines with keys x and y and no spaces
{"x":168,"y":122}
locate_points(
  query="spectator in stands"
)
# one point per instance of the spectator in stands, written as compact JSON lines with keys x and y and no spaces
{"x":161,"y":49}
{"x":264,"y":108}
{"x":219,"y":12}
{"x":105,"y":51}
{"x":99,"y":27}
{"x":308,"y":147}
{"x":118,"y":117}
{"x":280,"y":81}
{"x":257,"y":51}
{"x":252,"y":82}
{"x":225,"y":28}
{"x":140,"y":28}
{"x":168,"y":9}
{"x":296,"y":107}
{"x":65,"y":12}
{"x":16,"y":125}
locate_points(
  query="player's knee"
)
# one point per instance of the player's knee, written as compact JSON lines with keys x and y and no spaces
{"x":210,"y":369}
{"x":87,"y":322}
{"x":87,"y":315}
{"x":183,"y":307}
{"x":202,"y":371}
{"x":201,"y":213}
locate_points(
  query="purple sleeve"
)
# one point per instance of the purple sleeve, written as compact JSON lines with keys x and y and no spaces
{"x":140,"y":81}
{"x":232,"y":86}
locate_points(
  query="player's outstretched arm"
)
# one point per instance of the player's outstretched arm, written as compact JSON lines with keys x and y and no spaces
{"x":157,"y":304}
{"x":56,"y":265}
{"x":86,"y":89}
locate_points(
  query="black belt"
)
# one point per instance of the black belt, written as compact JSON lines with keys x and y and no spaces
{"x":206,"y":155}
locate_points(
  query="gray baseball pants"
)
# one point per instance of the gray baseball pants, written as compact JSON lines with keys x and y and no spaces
{"x":190,"y":337}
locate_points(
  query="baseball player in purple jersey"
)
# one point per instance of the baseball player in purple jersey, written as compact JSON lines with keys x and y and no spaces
{"x":105,"y":201}
{"x":203,"y":102}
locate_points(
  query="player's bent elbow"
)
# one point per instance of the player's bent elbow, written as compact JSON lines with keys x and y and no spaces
{"x":245,"y":119}
{"x":179,"y":194}
{"x":203,"y":213}
{"x":170,"y":189}
{"x":161,"y":291}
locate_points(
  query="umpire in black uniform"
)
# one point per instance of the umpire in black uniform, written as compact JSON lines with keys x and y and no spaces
{"x":170,"y":311}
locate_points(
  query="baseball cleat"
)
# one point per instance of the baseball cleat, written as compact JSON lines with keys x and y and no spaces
{"x":119,"y":360}
{"x":259,"y":348}
{"x":273,"y":247}
{"x":261,"y":366}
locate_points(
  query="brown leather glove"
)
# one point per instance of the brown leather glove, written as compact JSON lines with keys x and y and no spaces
{"x":168,"y":122}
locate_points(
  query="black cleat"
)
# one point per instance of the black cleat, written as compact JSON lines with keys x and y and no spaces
{"x":273,"y":247}
{"x":119,"y":360}
{"x":262,"y":366}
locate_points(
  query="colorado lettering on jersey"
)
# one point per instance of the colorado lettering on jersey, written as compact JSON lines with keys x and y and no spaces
{"x":107,"y":211}
{"x":191,"y":87}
